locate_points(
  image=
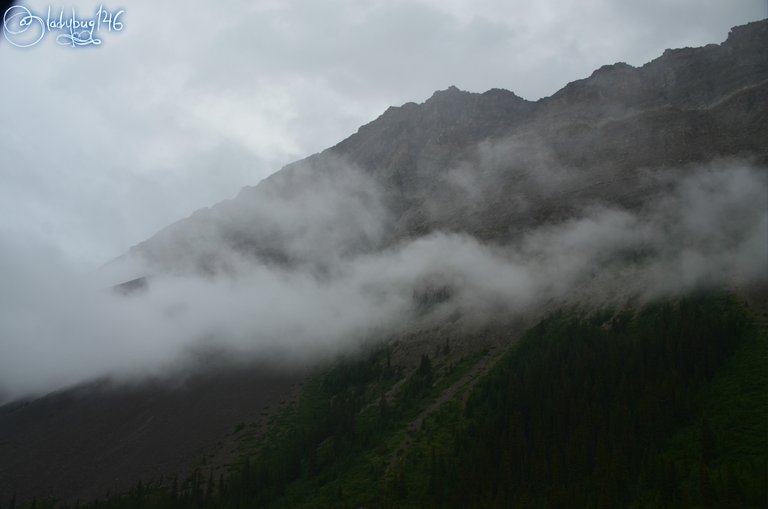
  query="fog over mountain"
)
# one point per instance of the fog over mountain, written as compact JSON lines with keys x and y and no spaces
{"x":709,"y":229}
{"x":348,"y":313}
{"x":631,"y":184}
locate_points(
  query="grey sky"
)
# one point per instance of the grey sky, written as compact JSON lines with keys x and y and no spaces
{"x":103,"y":147}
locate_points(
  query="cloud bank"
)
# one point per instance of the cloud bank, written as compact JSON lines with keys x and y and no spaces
{"x":707,"y":227}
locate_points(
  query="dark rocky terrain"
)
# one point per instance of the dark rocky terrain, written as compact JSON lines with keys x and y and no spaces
{"x":102,"y":437}
{"x":688,"y":106}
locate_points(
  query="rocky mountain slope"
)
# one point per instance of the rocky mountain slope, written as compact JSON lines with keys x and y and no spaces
{"x":490,"y":165}
{"x":430,"y":162}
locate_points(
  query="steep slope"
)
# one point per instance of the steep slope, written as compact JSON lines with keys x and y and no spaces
{"x":492,"y":165}
{"x":661,"y":406}
{"x":102,"y":437}
{"x":688,"y":106}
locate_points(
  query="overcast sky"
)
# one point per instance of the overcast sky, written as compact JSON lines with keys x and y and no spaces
{"x":102,"y":147}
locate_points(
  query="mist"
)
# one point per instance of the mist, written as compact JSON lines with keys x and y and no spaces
{"x":340,"y":281}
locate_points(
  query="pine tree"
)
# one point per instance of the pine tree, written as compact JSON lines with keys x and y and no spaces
{"x":222,"y":490}
{"x":707,"y":443}
{"x":175,"y":490}
{"x":425,"y":368}
{"x":209,"y":487}
{"x":383,"y":407}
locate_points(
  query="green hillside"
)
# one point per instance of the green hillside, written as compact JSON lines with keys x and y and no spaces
{"x":666,"y":406}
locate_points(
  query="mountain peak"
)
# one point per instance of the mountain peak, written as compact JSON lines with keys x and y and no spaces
{"x":451,"y":93}
{"x":618,"y":67}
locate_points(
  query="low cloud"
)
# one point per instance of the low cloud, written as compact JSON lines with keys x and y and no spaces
{"x":342,"y":284}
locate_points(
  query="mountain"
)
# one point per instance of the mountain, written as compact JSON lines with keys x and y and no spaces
{"x":491,"y":166}
{"x":688,"y":106}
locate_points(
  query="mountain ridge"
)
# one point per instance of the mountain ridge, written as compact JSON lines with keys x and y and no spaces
{"x":664,"y":113}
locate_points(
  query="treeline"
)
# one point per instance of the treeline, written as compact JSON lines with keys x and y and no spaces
{"x":341,"y":414}
{"x":581,"y":414}
{"x":618,"y":409}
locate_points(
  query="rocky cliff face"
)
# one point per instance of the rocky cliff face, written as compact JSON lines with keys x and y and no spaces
{"x":431,"y":162}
